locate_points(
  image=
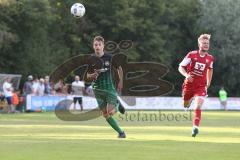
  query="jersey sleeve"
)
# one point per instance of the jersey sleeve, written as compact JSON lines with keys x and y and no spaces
{"x":186,"y":60}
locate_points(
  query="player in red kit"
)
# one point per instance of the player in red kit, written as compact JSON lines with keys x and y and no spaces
{"x":197,"y":68}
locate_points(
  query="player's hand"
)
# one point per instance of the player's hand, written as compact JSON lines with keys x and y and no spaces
{"x":93,"y":76}
{"x":98,"y":71}
{"x":208,"y":85}
{"x":189,"y":78}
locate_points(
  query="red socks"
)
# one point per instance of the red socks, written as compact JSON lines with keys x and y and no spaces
{"x":197,"y":117}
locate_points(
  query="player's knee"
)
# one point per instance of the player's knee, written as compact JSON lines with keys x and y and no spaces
{"x":105,"y":114}
{"x":199,"y":102}
{"x":111,"y":111}
{"x":198,"y":107}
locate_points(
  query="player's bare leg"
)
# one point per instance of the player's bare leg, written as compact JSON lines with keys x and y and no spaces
{"x":197,"y":114}
{"x":111,"y":110}
{"x":187,"y":104}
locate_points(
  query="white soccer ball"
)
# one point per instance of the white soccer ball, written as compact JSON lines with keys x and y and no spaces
{"x":77,"y":10}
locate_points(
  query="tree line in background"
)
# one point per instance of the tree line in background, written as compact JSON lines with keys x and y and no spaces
{"x":37,"y":36}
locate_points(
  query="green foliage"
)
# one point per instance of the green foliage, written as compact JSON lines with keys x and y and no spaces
{"x":32,"y":46}
{"x":222,"y":19}
{"x":7,"y":36}
{"x":37,"y":36}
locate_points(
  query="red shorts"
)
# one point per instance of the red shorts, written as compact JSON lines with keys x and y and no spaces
{"x":189,"y":91}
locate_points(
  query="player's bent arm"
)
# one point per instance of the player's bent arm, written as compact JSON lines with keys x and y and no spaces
{"x":182,"y":66}
{"x":183,"y":71}
{"x":88,"y":76}
{"x":209,"y":76}
{"x":92,"y":76}
{"x":120,"y":75}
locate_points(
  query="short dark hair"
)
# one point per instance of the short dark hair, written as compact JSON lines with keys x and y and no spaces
{"x":98,"y":38}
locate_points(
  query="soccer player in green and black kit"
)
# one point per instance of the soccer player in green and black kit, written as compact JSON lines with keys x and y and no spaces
{"x":103,"y":85}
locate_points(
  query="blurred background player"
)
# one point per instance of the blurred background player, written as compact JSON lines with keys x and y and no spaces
{"x":78,"y":88}
{"x":104,"y":88}
{"x":197,"y":68}
{"x":223,"y":98}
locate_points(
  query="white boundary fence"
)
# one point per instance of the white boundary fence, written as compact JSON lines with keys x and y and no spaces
{"x":149,"y":103}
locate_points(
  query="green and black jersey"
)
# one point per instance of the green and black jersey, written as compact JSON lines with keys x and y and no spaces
{"x":105,"y":79}
{"x":103,"y":87}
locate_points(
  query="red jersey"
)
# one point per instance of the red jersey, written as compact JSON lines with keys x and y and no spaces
{"x":197,"y":66}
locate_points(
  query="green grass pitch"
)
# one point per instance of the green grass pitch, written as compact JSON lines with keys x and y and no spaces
{"x":41,"y":136}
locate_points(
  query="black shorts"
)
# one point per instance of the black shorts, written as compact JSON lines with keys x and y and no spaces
{"x":79,"y":99}
{"x":9,"y":100}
